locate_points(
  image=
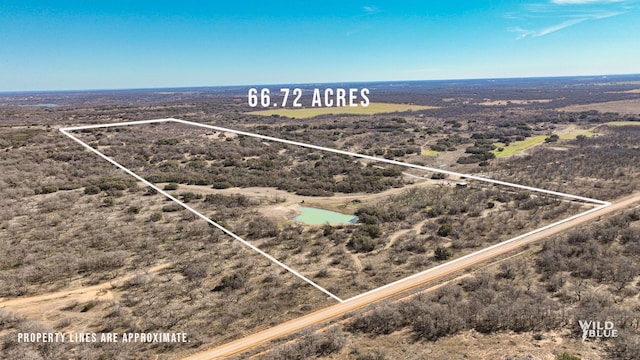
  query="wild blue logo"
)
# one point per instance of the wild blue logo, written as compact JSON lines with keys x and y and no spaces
{"x":596,"y":329}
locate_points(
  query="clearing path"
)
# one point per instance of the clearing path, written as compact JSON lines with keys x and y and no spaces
{"x":292,"y":198}
{"x":40,"y":305}
{"x":395,"y":236}
{"x":357,"y":263}
{"x":284,"y":204}
{"x":398,"y":234}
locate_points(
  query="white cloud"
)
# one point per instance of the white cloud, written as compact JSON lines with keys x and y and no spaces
{"x":558,"y":15}
{"x":584,"y":2}
{"x":369,"y":9}
{"x":556,"y":27}
{"x":563,"y":25}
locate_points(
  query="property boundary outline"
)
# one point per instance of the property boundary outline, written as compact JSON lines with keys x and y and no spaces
{"x":66,"y":131}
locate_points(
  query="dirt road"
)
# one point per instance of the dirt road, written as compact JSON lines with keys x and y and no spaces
{"x":390,"y":290}
{"x":42,"y":304}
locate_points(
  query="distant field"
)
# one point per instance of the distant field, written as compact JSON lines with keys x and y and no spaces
{"x":373,"y":108}
{"x":517,"y":146}
{"x":633,"y":91}
{"x":514,"y":102}
{"x":621,"y":106}
{"x":623,"y":123}
{"x":630,"y":82}
{"x":575,"y":133}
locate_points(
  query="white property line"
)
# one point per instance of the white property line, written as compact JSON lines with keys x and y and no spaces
{"x":342,"y":152}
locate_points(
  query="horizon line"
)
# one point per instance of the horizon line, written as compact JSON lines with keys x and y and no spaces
{"x":40,"y":91}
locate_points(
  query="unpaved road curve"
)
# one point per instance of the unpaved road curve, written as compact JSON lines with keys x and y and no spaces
{"x":337,"y":310}
{"x":86,"y":293}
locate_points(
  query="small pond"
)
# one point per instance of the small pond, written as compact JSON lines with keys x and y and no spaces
{"x":313,"y":216}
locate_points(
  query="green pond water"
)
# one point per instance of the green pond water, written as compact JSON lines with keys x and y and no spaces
{"x":315,"y":216}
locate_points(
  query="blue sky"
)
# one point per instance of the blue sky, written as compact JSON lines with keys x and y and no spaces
{"x":63,"y":45}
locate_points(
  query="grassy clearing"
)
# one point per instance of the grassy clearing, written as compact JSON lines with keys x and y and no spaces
{"x":429,"y":152}
{"x":373,"y":108}
{"x":623,"y":123}
{"x":517,"y":146}
{"x":575,"y":133}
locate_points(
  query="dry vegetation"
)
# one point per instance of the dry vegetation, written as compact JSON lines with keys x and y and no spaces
{"x":70,"y":220}
{"x":99,"y":225}
{"x":398,"y":234}
{"x":601,"y":167}
{"x":533,"y":302}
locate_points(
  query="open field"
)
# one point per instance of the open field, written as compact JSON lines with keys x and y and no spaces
{"x":575,"y":133}
{"x":373,"y":108}
{"x":517,"y":146}
{"x":427,"y":152}
{"x":631,"y":106}
{"x":570,"y":133}
{"x":632,"y":91}
{"x":514,"y":102}
{"x":623,"y":123}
